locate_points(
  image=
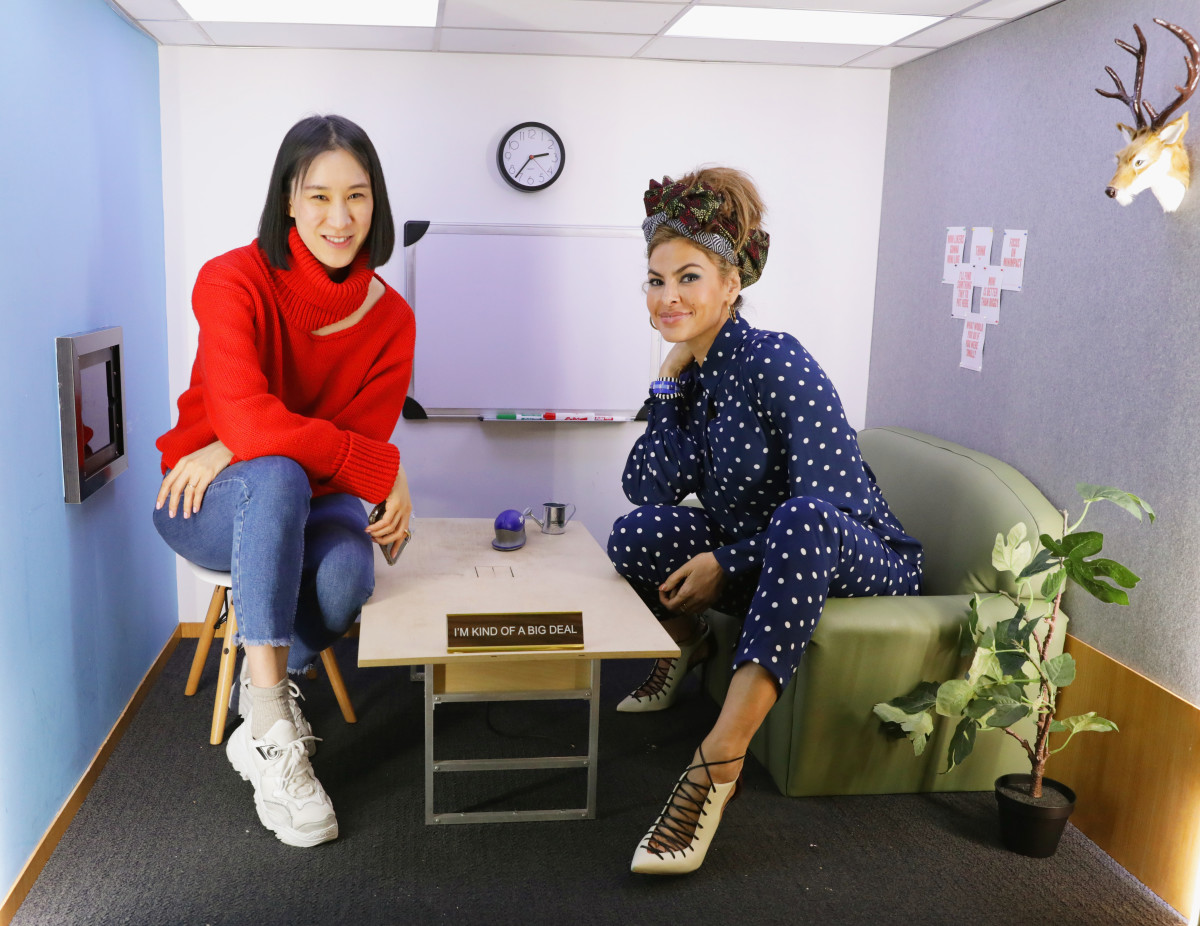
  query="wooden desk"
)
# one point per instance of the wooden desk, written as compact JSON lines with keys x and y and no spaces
{"x":450,"y":567}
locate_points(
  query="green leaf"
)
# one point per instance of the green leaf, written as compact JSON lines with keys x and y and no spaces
{"x":979,"y":708}
{"x":1090,"y":722}
{"x":1113,"y":570}
{"x":1051,"y":545}
{"x":971,"y":631}
{"x":1040,"y":563}
{"x":1083,"y":723}
{"x":1013,"y":553}
{"x":952,"y":697}
{"x":1127,"y":500}
{"x":1081,"y":575}
{"x":962,"y":742}
{"x":1008,"y":715}
{"x":1084,"y":544}
{"x":920,"y":699}
{"x":1054,"y":583}
{"x":916,"y":726}
{"x":1060,"y":671}
{"x":1013,"y":691}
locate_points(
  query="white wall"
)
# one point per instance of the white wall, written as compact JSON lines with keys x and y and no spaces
{"x":813,"y":139}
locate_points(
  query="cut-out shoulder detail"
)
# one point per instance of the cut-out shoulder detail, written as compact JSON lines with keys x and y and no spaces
{"x":374,"y":293}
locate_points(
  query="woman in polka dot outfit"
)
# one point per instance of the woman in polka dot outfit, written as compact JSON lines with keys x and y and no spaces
{"x":748,"y":421}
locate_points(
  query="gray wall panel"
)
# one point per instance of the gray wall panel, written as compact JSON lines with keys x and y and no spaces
{"x":1092,"y":374}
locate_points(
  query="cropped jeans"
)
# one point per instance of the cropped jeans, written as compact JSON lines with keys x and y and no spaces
{"x":302,"y":567}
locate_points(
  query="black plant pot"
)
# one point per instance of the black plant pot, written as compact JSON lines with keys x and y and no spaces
{"x":1032,"y":826}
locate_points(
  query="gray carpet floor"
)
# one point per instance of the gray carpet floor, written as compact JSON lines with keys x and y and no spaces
{"x":168,"y":835}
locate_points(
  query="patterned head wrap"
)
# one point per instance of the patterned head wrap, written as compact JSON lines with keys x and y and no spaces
{"x":695,"y":213}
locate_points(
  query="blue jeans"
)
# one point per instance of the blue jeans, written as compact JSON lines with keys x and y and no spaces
{"x":302,"y":568}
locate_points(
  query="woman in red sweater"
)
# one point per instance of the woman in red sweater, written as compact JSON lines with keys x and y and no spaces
{"x":301,"y":370}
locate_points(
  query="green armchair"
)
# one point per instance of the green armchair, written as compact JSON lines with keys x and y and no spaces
{"x":821,"y":737}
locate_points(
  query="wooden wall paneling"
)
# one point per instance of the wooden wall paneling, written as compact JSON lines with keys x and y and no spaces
{"x":1138,"y":789}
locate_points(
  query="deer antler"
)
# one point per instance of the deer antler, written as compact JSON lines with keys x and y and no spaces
{"x":1135,"y":102}
{"x":1193,"y":66}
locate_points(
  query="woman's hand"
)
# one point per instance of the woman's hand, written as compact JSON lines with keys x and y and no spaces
{"x":393,"y":526}
{"x":676,"y":361}
{"x":190,"y":477}
{"x":693,"y":587}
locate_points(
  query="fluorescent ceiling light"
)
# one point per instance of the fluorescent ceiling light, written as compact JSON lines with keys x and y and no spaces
{"x":323,"y":12}
{"x":740,"y":22}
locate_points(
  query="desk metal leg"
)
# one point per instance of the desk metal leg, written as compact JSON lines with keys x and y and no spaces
{"x":588,"y":761}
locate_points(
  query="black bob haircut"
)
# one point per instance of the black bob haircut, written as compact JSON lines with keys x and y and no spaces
{"x":304,"y":141}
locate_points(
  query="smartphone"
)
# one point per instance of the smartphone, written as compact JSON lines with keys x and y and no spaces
{"x":392,"y":552}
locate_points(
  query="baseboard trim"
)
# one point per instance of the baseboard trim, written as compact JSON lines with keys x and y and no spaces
{"x":1138,"y":792}
{"x":45,"y":847}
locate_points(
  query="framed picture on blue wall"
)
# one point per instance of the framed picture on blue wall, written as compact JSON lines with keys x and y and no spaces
{"x":91,"y":411}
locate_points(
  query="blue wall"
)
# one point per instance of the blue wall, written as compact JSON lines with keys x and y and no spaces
{"x":87,"y":592}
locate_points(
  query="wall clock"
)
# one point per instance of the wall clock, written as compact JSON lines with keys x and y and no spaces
{"x":530,"y":156}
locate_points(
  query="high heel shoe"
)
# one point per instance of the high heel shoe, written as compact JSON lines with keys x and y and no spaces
{"x":670,"y":848}
{"x":662,"y":686}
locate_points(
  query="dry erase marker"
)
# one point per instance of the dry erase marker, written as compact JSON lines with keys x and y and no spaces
{"x":577,"y":416}
{"x":514,"y":416}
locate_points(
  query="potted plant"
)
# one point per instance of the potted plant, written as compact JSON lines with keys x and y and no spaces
{"x":1011,"y":678}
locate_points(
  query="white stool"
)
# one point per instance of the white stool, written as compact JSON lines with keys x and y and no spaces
{"x":223,"y":600}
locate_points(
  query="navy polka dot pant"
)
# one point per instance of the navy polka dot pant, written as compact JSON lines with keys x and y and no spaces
{"x":812,"y":551}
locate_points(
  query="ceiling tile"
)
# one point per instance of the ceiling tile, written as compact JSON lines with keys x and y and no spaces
{"x":889,"y":57}
{"x":307,"y":35}
{"x":752,"y":52}
{"x":949,"y":31}
{"x":513,"y":42}
{"x":152,"y":9}
{"x":556,"y":16}
{"x":917,"y":7}
{"x":176,"y":33}
{"x":1009,"y":9}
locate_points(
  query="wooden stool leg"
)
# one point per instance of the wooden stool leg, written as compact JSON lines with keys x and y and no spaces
{"x":338,"y":685}
{"x":224,"y":678}
{"x":205,"y":641}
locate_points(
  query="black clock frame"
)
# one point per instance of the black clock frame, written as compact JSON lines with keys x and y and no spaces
{"x":500,"y":157}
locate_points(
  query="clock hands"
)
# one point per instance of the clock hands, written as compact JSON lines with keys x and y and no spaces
{"x":528,"y":161}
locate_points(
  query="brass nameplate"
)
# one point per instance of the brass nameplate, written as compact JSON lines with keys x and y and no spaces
{"x":541,"y":630}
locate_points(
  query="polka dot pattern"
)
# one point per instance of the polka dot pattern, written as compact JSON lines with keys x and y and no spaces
{"x":810,"y":551}
{"x":791,"y":510}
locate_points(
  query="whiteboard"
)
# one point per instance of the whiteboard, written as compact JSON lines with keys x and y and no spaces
{"x":528,"y":318}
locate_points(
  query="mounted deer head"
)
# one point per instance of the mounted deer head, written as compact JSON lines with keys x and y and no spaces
{"x":1154,"y":158}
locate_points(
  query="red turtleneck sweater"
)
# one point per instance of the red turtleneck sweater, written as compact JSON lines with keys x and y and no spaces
{"x":267,"y":386}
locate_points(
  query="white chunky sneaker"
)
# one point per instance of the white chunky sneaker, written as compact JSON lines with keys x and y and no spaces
{"x":289,"y":799}
{"x":299,"y":721}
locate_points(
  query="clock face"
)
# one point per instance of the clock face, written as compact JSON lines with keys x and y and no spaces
{"x":531,"y":156}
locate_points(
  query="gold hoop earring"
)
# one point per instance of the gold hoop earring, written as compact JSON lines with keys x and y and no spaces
{"x":650,"y":318}
{"x":732,"y":313}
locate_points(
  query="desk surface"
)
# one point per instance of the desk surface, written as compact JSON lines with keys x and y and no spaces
{"x":450,"y":567}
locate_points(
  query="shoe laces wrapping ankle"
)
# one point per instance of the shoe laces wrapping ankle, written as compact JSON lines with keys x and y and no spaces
{"x":673,"y":831}
{"x":653,"y":685}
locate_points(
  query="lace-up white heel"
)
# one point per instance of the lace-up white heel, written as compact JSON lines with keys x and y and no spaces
{"x":680,"y":837}
{"x":661,"y":688}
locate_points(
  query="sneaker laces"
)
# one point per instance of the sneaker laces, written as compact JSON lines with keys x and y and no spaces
{"x":295,"y":769}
